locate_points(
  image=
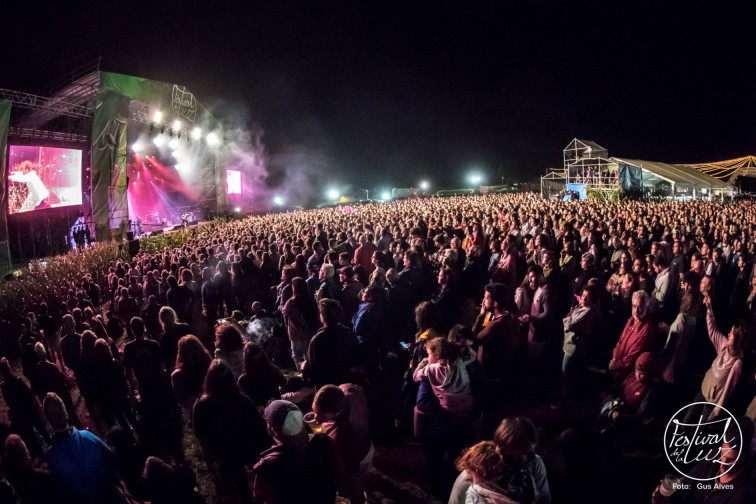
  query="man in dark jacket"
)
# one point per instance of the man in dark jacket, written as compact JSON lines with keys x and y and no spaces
{"x":328,"y":353}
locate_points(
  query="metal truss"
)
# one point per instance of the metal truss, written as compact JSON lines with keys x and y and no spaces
{"x":55,"y":106}
{"x":48,"y":135}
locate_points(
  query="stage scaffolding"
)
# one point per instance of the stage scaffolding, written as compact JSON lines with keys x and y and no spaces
{"x":89,"y":109}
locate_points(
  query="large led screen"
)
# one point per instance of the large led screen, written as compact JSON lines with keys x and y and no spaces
{"x":43,"y":177}
{"x":233,"y":182}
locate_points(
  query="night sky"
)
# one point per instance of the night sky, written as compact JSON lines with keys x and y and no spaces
{"x":382,"y":94}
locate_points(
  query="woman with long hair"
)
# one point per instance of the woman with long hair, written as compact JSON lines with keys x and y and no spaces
{"x":192,"y":361}
{"x":261,"y":378}
{"x":229,"y":424}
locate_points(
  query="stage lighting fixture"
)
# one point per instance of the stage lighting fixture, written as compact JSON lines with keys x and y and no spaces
{"x":162,"y":129}
{"x":333,"y":194}
{"x":386,"y":196}
{"x":212,"y":139}
{"x":424,"y":185}
{"x":277,"y":200}
{"x":173,"y":144}
{"x":159,"y":141}
{"x":158,"y":116}
{"x":176,"y":125}
{"x":476,"y":179}
{"x":237,"y":209}
{"x":196,"y":133}
{"x":137,"y":147}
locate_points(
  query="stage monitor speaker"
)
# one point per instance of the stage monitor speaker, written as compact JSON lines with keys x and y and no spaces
{"x":133,"y":247}
{"x":130,"y":235}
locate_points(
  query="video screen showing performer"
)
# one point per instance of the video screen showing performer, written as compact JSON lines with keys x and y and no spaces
{"x":43,"y":177}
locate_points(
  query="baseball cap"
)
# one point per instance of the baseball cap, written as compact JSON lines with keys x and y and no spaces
{"x":284,"y":417}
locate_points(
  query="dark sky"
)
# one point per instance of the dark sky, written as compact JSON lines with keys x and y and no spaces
{"x":386,"y":93}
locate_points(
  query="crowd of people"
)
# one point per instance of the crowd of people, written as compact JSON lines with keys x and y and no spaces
{"x":451,"y":313}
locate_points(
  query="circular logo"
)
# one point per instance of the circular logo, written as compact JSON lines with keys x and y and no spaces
{"x":691,"y":439}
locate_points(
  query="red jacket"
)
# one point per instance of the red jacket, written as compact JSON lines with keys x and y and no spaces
{"x":636,"y":338}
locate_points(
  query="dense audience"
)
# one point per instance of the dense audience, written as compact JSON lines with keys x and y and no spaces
{"x":274,"y":338}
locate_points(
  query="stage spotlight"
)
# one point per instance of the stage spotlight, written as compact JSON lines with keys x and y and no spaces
{"x":176,"y":125}
{"x":424,"y":185}
{"x":278,"y":200}
{"x":333,"y":194}
{"x":237,"y":209}
{"x":173,"y":144}
{"x":158,"y":116}
{"x":159,"y":141}
{"x":162,"y":129}
{"x":196,"y":133}
{"x":137,"y":146}
{"x":476,"y":178}
{"x":385,"y":196}
{"x":212,"y":139}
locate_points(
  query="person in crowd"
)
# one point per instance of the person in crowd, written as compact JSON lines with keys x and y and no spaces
{"x":482,"y":464}
{"x":172,"y":331}
{"x":30,"y":484}
{"x":52,"y":379}
{"x":343,"y":415}
{"x":296,"y":468}
{"x":636,"y":338}
{"x":724,"y":374}
{"x":229,"y":424}
{"x":229,"y":347}
{"x":521,"y":473}
{"x":261,"y":378}
{"x":301,"y":320}
{"x":496,"y":333}
{"x":23,"y":408}
{"x":80,"y":463}
{"x":368,"y":326}
{"x":635,"y":403}
{"x":579,"y":326}
{"x":192,"y":361}
{"x":329,"y":354}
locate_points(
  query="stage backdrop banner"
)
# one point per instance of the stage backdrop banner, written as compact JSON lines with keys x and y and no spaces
{"x":630,"y":178}
{"x":5,"y":110}
{"x":172,"y":100}
{"x":109,"y":183}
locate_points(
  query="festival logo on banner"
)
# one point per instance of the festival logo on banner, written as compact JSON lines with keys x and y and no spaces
{"x":184,"y":104}
{"x":717,"y":442}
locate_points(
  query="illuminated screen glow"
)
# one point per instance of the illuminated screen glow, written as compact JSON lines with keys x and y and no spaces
{"x":233,"y":182}
{"x":43,"y":177}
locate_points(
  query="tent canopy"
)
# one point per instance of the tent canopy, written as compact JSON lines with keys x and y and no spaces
{"x":683,"y":178}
